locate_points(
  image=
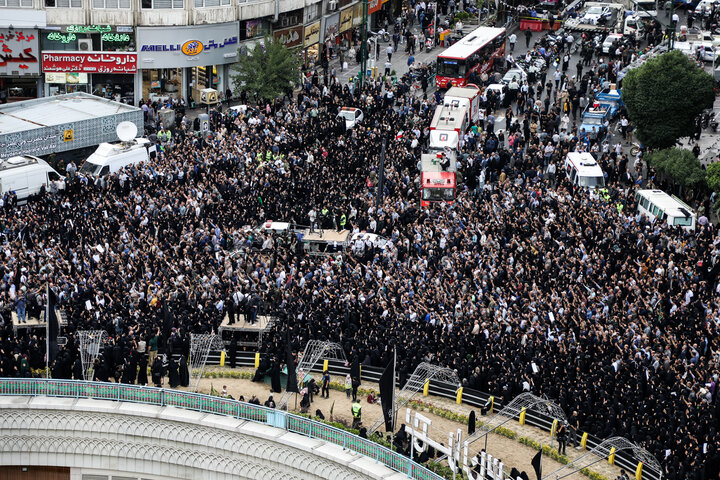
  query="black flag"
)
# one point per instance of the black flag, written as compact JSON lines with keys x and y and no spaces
{"x":53,"y":328}
{"x":387,"y":396}
{"x":291,"y":385}
{"x":537,"y":465}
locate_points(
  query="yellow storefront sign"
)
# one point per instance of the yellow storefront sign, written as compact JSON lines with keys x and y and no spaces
{"x":312,"y":34}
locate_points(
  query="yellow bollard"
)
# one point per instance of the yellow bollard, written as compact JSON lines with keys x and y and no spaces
{"x":492,"y":404}
{"x":458,"y":397}
{"x":611,"y":457}
{"x":583,"y":441}
{"x":553,"y":429}
{"x":638,"y":471}
{"x":325,"y":365}
{"x":426,"y":388}
{"x":222,"y":358}
{"x":522,"y":416}
{"x":257,"y":359}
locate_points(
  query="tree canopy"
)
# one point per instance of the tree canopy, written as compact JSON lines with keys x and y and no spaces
{"x":679,"y":166}
{"x":713,"y":176}
{"x":663,"y":97}
{"x":269,"y":69}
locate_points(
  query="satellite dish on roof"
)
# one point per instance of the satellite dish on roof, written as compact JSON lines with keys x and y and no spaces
{"x":126,"y":131}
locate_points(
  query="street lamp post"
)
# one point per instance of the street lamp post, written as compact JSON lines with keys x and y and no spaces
{"x":363,"y":43}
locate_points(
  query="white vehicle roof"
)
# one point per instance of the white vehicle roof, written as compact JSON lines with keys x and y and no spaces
{"x":585,"y":164}
{"x":496,"y":86}
{"x":669,"y":204}
{"x":471,"y":42}
{"x":462,"y":92}
{"x":22,"y":164}
{"x":106,"y":151}
{"x":448,"y":118}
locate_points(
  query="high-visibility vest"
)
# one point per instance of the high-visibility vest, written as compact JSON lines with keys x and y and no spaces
{"x":356,"y":410}
{"x":343,"y":220}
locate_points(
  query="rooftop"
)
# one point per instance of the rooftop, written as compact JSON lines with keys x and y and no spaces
{"x":57,"y":110}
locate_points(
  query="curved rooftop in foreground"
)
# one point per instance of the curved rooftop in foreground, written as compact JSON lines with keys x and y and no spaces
{"x":142,"y":441}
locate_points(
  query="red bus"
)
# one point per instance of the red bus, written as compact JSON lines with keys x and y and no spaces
{"x":475,"y":52}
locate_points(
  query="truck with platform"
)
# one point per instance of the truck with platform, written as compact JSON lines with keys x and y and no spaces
{"x":438,"y":179}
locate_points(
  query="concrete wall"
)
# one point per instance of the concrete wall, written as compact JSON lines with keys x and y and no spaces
{"x":157,"y":443}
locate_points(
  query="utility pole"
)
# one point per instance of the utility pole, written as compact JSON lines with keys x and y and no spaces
{"x":363,"y":43}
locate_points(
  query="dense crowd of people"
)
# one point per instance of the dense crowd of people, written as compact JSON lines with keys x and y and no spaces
{"x":524,"y":283}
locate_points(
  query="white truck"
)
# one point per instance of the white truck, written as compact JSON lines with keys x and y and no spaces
{"x":110,"y":158}
{"x":468,"y":97}
{"x":26,"y":175}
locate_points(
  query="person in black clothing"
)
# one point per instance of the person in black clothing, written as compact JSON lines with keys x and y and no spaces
{"x":157,"y":372}
{"x":562,"y":437}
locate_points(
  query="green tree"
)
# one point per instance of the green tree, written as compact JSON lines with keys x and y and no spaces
{"x":270,"y":70}
{"x":663,"y":97}
{"x":713,"y":176}
{"x":679,"y":166}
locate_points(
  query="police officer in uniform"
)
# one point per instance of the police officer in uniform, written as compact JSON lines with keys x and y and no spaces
{"x":356,"y":414}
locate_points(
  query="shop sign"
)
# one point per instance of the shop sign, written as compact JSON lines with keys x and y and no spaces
{"x":115,"y":37}
{"x":19,"y":52}
{"x":68,"y":135}
{"x":346,"y":19}
{"x":290,"y":37}
{"x":332,"y":22}
{"x":373,"y":6}
{"x":357,"y":15}
{"x":66,"y":78}
{"x":88,"y":28}
{"x":61,"y":37}
{"x":89,"y":62}
{"x":312,"y":34}
{"x":187,"y":46}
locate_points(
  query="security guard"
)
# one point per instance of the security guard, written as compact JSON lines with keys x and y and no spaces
{"x":357,"y":414}
{"x":605,"y":194}
{"x":343,"y":222}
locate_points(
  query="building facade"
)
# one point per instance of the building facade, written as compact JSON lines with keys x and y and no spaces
{"x":130,"y":50}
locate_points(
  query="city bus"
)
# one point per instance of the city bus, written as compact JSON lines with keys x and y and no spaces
{"x":475,"y":52}
{"x":657,"y":204}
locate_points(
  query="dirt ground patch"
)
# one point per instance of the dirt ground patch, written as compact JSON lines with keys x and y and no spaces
{"x":511,"y":452}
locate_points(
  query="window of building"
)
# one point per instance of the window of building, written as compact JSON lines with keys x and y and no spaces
{"x":211,"y":3}
{"x":16,"y":3}
{"x":111,"y":4}
{"x":63,"y":3}
{"x":163,"y":4}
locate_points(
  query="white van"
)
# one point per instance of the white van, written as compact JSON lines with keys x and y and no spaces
{"x":583,"y":170}
{"x":109,"y":158}
{"x":26,"y":175}
{"x":658,"y":204}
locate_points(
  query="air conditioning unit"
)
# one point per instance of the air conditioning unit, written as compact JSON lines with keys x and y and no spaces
{"x":332,"y":5}
{"x":85,"y":45}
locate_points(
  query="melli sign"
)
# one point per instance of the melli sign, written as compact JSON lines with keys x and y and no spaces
{"x":89,"y":62}
{"x":187,"y":46}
